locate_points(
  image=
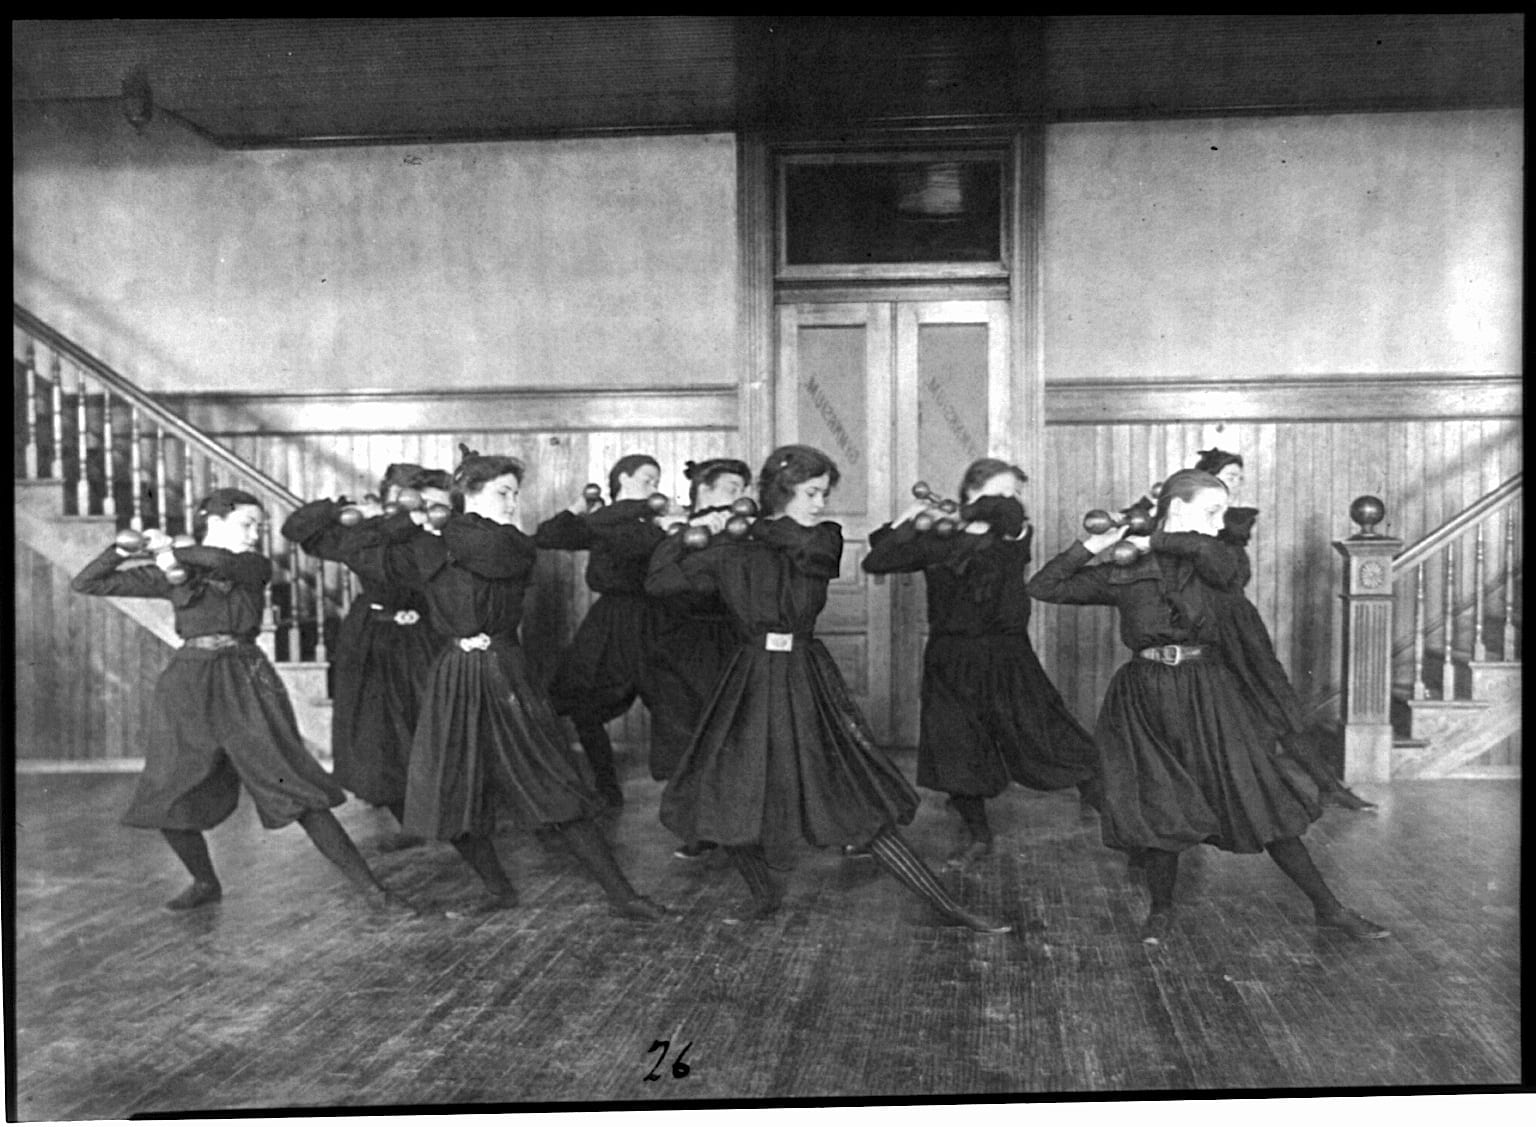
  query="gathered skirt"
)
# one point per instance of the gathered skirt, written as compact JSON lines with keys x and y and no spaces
{"x":1186,"y":759}
{"x":222,"y":720}
{"x":605,"y":668}
{"x":690,"y":653}
{"x":379,"y":671}
{"x":991,"y":716}
{"x":783,"y":755}
{"x":489,"y":745}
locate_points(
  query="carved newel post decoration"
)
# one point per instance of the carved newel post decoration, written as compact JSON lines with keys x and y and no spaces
{"x":1367,"y":674}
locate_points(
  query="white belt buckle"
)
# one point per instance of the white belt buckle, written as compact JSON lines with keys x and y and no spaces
{"x":779,"y":643}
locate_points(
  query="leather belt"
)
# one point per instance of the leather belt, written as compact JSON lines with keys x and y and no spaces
{"x":212,"y":641}
{"x":1175,"y":654}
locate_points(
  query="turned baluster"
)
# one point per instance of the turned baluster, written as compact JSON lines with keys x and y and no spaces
{"x":1448,"y":668}
{"x":1420,"y":690}
{"x":82,"y":448}
{"x":56,"y":452}
{"x":135,"y":471}
{"x":108,"y":457}
{"x":162,"y":516}
{"x":1479,"y":651}
{"x":30,"y":455}
{"x":320,"y":652}
{"x":267,"y":639}
{"x":295,"y":587}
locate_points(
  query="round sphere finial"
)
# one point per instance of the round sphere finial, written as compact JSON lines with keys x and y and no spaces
{"x":1367,"y":512}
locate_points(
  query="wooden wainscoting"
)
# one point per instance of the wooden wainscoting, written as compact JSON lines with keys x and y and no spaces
{"x":84,"y":671}
{"x":559,"y":463}
{"x":1302,"y":475}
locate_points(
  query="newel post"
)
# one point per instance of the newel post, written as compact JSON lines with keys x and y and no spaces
{"x":1367,"y":672}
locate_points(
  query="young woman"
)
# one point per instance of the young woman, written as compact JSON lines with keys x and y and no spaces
{"x":1251,"y":651}
{"x":990,"y":714}
{"x":1185,"y":756}
{"x":695,"y":638}
{"x":385,"y":647}
{"x":487,"y":740}
{"x":222,"y":717}
{"x":781,"y":753}
{"x":604,"y":669}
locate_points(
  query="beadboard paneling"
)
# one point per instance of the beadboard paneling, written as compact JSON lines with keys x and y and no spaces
{"x":559,"y":464}
{"x":85,"y":672}
{"x":1302,"y":476}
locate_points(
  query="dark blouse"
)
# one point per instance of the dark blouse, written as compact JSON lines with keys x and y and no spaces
{"x":975,"y":582}
{"x":474,"y":575}
{"x":225,"y":592}
{"x":316,"y":528}
{"x":1162,"y":597}
{"x":620,"y":537}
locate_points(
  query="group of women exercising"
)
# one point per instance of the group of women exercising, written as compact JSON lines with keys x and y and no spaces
{"x":707,"y":615}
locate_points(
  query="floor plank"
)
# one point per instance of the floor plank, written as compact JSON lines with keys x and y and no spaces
{"x":289,"y":994}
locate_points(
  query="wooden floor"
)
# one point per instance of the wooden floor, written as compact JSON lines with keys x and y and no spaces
{"x":290,"y":995}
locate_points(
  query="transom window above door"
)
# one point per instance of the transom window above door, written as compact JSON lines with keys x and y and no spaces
{"x":892,"y":215}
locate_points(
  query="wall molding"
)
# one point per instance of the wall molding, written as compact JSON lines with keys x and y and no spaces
{"x":1417,"y":395}
{"x":681,"y":407}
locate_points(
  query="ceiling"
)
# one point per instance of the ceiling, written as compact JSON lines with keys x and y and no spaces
{"x":289,"y":82}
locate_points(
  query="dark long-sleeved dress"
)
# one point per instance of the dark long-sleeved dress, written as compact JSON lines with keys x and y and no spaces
{"x":384,"y":650}
{"x":781,"y":753}
{"x":1184,"y":752}
{"x":487,"y":740}
{"x":222,"y":717}
{"x":607,"y":664}
{"x":694,"y":640}
{"x":990,"y":714}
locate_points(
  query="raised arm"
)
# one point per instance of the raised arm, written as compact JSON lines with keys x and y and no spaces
{"x":903,"y":548}
{"x":105,"y":576}
{"x":565,"y":532}
{"x":1223,"y":566}
{"x":677,"y":570}
{"x":1069,"y":579}
{"x":490,"y":550}
{"x":316,"y":527}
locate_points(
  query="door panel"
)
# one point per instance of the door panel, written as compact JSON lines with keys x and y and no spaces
{"x":834,"y":393}
{"x":895,"y":392}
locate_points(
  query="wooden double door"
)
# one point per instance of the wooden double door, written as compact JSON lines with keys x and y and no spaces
{"x":896,"y":392}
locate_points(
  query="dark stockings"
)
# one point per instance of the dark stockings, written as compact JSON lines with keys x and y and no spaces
{"x":599,"y":749}
{"x":192,"y":849}
{"x":586,"y":841}
{"x":480,"y":852}
{"x":972,"y":809}
{"x":326,"y":832}
{"x":753,"y":867}
{"x":1295,"y":862}
{"x":1162,"y":869}
{"x":893,"y":852}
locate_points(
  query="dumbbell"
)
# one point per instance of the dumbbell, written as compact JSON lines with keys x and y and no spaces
{"x":350,"y":516}
{"x":659,"y":503}
{"x":130,"y":540}
{"x":410,"y":499}
{"x":738,"y":526}
{"x":1123,"y":553}
{"x":183,"y":541}
{"x":695,"y":536}
{"x":946,"y":526}
{"x":592,"y":493}
{"x":438,"y":514}
{"x":744,"y":506}
{"x":1137,"y":521}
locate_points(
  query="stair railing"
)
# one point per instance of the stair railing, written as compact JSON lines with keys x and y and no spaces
{"x":1448,"y":603}
{"x":115,"y":452}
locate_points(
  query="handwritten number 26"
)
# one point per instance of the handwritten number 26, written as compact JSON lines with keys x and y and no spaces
{"x":680,"y":1067}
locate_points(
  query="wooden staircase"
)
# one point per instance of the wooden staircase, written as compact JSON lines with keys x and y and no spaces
{"x":1433,"y":646}
{"x":95,"y":454}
